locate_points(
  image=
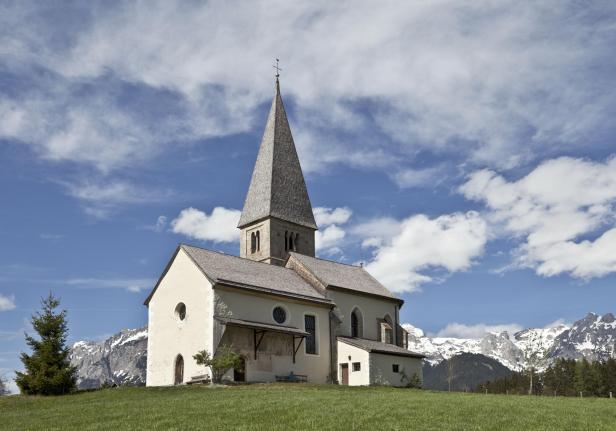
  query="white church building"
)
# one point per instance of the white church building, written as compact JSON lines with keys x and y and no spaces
{"x":291,"y":315}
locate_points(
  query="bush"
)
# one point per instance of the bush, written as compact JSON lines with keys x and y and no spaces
{"x":224,"y":359}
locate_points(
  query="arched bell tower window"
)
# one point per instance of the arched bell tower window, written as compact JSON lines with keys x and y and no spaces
{"x":253,"y":242}
{"x":258,"y":241}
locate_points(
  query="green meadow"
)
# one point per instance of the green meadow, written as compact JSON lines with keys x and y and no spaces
{"x":301,"y":407}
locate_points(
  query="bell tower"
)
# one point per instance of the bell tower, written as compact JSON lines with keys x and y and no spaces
{"x":277,"y":217}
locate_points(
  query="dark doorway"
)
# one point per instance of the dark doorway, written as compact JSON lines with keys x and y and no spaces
{"x":179,"y":370}
{"x":239,"y":373}
{"x":344,"y":368}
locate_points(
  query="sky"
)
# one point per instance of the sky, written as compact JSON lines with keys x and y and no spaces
{"x":464,"y":151}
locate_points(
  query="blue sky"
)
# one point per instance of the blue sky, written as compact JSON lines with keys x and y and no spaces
{"x":463,"y":150}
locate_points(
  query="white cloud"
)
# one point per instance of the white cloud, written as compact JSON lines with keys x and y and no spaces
{"x":130,"y":284}
{"x":448,"y":242}
{"x":7,"y":302}
{"x":461,"y":330}
{"x":476,"y":78}
{"x":329,"y":239}
{"x":377,"y":231}
{"x":563,"y":211}
{"x":219,"y":226}
{"x":101,"y":198}
{"x":328,"y":216}
{"x":410,"y":178}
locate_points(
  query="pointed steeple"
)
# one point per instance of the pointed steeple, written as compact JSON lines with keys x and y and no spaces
{"x":277,"y":188}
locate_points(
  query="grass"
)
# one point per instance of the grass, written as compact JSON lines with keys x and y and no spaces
{"x":301,"y":407}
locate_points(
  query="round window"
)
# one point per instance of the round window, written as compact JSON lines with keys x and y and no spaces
{"x":180,"y":311}
{"x":280,"y":315}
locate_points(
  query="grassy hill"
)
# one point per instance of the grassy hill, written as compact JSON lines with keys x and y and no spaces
{"x":301,"y":407}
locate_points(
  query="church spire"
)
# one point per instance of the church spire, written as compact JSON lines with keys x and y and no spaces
{"x":277,"y":188}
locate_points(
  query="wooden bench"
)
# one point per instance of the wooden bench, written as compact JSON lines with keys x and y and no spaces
{"x":201,"y":379}
{"x":292,"y":378}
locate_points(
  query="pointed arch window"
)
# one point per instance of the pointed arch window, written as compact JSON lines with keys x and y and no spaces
{"x":253,"y":242}
{"x":357,"y":323}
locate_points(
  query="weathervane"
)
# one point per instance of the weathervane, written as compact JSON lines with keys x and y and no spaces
{"x":278,"y":69}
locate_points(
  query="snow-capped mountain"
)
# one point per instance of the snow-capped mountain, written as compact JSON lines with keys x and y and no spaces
{"x":593,"y":338}
{"x":120,"y":359}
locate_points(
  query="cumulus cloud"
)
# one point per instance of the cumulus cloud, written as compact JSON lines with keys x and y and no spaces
{"x":563,"y":212}
{"x":472,"y":78}
{"x":328,"y":238}
{"x":449,"y":242}
{"x":461,"y":330}
{"x":7,"y":302}
{"x":328,"y":216}
{"x":219,"y":226}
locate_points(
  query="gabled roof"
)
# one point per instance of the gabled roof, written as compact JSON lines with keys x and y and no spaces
{"x":235,"y":271}
{"x":344,"y":276}
{"x":379,"y":347}
{"x":277,"y":188}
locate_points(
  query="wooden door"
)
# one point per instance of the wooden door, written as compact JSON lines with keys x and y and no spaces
{"x":179,"y":370}
{"x":239,"y":373}
{"x":345,"y":374}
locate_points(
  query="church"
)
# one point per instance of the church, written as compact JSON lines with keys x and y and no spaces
{"x":290,"y":315}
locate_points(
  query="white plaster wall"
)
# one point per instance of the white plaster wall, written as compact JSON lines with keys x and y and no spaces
{"x":381,"y":369}
{"x":275,"y":357}
{"x":371,"y":310}
{"x":167,"y":336}
{"x":356,"y":378}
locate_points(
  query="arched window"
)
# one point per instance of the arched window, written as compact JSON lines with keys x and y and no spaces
{"x":291,"y":242}
{"x":253,"y":242}
{"x":387,"y":330}
{"x":258,"y":241}
{"x":295,"y":242}
{"x":357,"y":323}
{"x":179,"y":370}
{"x":286,"y":240}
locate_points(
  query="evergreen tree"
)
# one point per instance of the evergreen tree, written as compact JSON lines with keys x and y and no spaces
{"x":4,"y":390}
{"x":47,"y":370}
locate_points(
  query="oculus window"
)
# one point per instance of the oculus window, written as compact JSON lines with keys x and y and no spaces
{"x":279,"y":314}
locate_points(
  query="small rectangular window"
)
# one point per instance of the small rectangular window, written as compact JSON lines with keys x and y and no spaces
{"x":395,"y":368}
{"x":356,"y":366}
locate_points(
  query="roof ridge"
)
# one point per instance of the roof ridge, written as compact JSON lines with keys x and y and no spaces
{"x":233,"y":255}
{"x":327,"y":260}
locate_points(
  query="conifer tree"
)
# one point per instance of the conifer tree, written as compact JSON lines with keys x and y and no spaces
{"x":3,"y":388}
{"x":47,"y":370}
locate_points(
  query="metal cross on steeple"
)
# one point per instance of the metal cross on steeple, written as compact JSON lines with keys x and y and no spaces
{"x":278,"y":69}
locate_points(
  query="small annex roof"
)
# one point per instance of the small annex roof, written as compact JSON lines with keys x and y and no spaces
{"x":277,"y":188}
{"x":262,"y":326}
{"x":244,"y":273}
{"x":379,"y":347}
{"x":342,"y":275}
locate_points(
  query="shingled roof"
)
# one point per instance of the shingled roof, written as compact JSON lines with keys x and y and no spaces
{"x":277,"y":188}
{"x":244,"y":273}
{"x":335,"y":274}
{"x":379,"y":347}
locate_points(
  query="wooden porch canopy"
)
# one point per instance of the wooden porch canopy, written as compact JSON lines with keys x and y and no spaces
{"x":259,"y":329}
